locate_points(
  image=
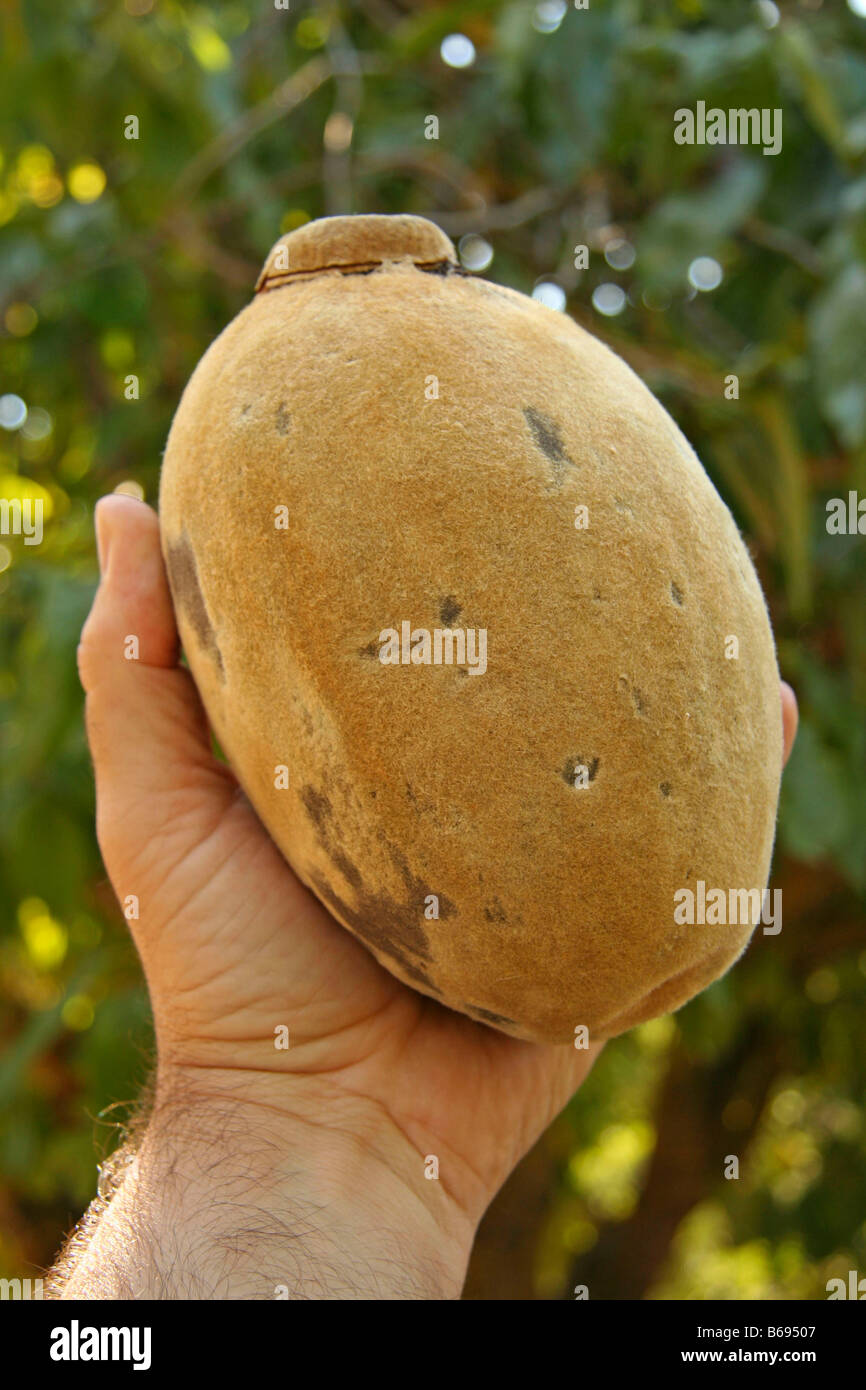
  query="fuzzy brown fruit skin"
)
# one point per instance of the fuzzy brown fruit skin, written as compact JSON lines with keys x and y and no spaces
{"x":606,"y":645}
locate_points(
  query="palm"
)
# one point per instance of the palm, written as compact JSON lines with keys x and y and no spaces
{"x":252,"y":949}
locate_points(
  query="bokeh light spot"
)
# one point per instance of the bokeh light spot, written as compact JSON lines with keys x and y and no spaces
{"x":20,"y":319}
{"x":550,"y":294}
{"x":705,"y":274}
{"x":457,"y":51}
{"x":475,"y":253}
{"x":13,"y":412}
{"x":608,"y":300}
{"x":77,"y":1013}
{"x":86,"y":182}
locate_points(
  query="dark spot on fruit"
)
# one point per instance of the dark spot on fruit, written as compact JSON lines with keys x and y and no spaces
{"x":318,"y":808}
{"x":676,"y":594}
{"x":591,"y":765}
{"x":371,"y":650}
{"x":387,"y":926}
{"x":449,"y":611}
{"x":665,"y":788}
{"x":489,"y":1017}
{"x":246,"y":409}
{"x":637,"y":696}
{"x":187,"y":594}
{"x":347,"y":868}
{"x":417,"y":889}
{"x":495,"y":912}
{"x":547,"y":436}
{"x":283,"y":422}
{"x":390,"y":927}
{"x":416,"y":973}
{"x":421,"y":803}
{"x":439,"y":268}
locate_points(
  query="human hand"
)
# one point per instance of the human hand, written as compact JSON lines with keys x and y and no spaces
{"x":377,"y":1078}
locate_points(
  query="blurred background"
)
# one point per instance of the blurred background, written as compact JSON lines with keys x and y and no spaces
{"x":150,"y":153}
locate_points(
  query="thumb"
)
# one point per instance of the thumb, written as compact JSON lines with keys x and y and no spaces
{"x":148,"y":734}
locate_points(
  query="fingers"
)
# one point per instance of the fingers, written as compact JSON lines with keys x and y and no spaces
{"x":148,"y":734}
{"x":133,"y":586}
{"x":790,"y":720}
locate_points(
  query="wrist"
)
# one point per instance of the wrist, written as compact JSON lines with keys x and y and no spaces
{"x":242,"y":1188}
{"x":354,"y":1149}
{"x":333,"y":1166}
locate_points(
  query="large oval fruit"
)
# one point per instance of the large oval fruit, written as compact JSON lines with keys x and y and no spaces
{"x":381,"y":448}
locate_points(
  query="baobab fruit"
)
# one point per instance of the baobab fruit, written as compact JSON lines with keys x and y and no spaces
{"x":477,"y":634}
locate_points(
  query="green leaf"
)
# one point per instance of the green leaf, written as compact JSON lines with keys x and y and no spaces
{"x":815,"y":803}
{"x":837,"y":339}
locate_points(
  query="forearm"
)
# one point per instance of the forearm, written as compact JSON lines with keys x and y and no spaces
{"x":227,"y":1199}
